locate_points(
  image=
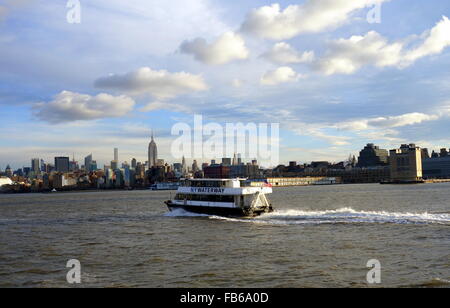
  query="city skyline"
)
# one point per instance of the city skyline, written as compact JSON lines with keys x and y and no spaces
{"x":397,"y":93}
{"x":236,"y":159}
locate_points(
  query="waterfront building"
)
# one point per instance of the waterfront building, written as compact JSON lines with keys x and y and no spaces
{"x":5,"y":181}
{"x":372,"y":156}
{"x":406,"y":164}
{"x":62,"y":164}
{"x":436,"y":167}
{"x":226,"y":161}
{"x":217,"y":172}
{"x":61,"y":180}
{"x":245,"y":171}
{"x":152,"y":153}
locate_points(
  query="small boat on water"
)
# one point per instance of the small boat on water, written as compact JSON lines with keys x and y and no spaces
{"x":165,"y":186}
{"x":223,"y":197}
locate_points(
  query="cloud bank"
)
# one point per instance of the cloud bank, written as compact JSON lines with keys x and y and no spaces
{"x":311,"y":17}
{"x":159,"y":84}
{"x":70,"y":106}
{"x":346,"y":56}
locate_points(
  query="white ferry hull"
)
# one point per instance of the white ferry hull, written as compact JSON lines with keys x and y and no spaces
{"x":219,"y":211}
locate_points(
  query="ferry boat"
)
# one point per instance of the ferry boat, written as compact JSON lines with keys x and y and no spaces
{"x":222,"y":197}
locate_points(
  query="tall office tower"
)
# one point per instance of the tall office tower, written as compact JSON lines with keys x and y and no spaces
{"x":88,"y":163}
{"x":62,"y":164}
{"x":133,"y":163}
{"x":114,"y":165}
{"x":116,"y":155}
{"x":234,"y":163}
{"x":239,"y":159}
{"x":35,"y":165}
{"x":195,"y":167}
{"x":183,"y":166}
{"x":152,"y":153}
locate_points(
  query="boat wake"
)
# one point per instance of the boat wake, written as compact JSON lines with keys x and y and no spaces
{"x":183,"y":213}
{"x":339,"y":216}
{"x":349,"y":215}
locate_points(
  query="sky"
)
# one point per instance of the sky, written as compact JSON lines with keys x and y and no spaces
{"x":323,"y":69}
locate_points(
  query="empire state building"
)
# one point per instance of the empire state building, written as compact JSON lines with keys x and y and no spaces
{"x":152,"y":153}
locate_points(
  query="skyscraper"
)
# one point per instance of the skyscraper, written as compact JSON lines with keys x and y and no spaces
{"x":183,"y":166}
{"x":88,"y":163}
{"x":62,"y":164}
{"x":35,"y":165}
{"x":116,"y":155}
{"x":152,"y":153}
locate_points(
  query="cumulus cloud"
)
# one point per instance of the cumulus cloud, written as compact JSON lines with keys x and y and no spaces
{"x":346,"y":56}
{"x":69,"y":106}
{"x":160,"y":84}
{"x":311,"y":17}
{"x":388,"y":122}
{"x":280,"y":75}
{"x":283,"y":53}
{"x":435,"y":41}
{"x":228,"y":47}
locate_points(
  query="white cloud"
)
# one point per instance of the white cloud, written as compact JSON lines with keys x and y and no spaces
{"x":388,"y":122}
{"x":346,"y":56}
{"x":311,"y":17}
{"x":160,"y":84}
{"x":283,"y":53}
{"x":280,"y":75}
{"x":69,"y":106}
{"x":435,"y":41}
{"x":228,"y":47}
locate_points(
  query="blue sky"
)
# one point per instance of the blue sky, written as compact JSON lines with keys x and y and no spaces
{"x":331,"y":79}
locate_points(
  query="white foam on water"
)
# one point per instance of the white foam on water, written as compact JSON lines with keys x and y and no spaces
{"x":179,"y":212}
{"x":343,"y":215}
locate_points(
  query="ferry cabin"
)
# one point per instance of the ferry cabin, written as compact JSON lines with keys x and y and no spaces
{"x":228,"y":193}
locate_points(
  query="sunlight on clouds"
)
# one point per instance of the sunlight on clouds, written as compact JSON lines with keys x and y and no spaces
{"x":69,"y":106}
{"x":311,"y":17}
{"x":346,"y":56}
{"x":160,"y":84}
{"x":280,"y":75}
{"x":283,"y":53}
{"x":228,"y":47}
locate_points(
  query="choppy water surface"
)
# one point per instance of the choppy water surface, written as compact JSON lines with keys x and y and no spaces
{"x":319,"y":236}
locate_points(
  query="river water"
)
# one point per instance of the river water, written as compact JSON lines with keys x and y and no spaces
{"x":319,"y":236}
